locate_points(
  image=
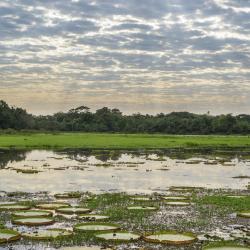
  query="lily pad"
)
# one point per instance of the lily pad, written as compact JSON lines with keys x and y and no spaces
{"x":52,"y":206}
{"x":13,"y":207}
{"x":237,"y":196}
{"x":245,"y":214}
{"x":47,"y":234}
{"x":178,"y":198}
{"x":141,"y":198}
{"x":7,"y":235}
{"x":34,"y":221}
{"x":177,"y":203}
{"x":73,"y":210}
{"x":96,"y":227}
{"x":85,"y":248}
{"x":28,"y":171}
{"x":185,"y":189}
{"x":70,"y":195}
{"x":142,"y":208}
{"x":118,"y":236}
{"x":32,"y":213}
{"x":93,"y":217}
{"x":171,"y":237}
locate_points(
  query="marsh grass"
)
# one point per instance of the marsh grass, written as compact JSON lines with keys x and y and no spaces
{"x":119,"y":141}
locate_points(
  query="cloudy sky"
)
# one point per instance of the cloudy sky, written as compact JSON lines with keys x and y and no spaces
{"x":146,"y":56}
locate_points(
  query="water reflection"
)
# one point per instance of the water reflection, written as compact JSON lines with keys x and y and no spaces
{"x":119,"y":171}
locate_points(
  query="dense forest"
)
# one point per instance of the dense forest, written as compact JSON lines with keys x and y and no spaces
{"x":112,"y":120}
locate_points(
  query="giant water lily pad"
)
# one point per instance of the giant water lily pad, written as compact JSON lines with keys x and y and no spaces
{"x":142,"y":208}
{"x":237,"y":196}
{"x":7,"y":235}
{"x":85,"y":248}
{"x":53,"y":205}
{"x":69,"y":195}
{"x":224,"y":246}
{"x":141,"y":198}
{"x":177,"y":203}
{"x":28,"y":171}
{"x":96,"y":227}
{"x":177,"y":198}
{"x":32,"y":213}
{"x":13,"y":207}
{"x":185,"y":189}
{"x":73,"y":210}
{"x":33,"y":221}
{"x":47,"y":234}
{"x":118,"y":236}
{"x":171,"y":237}
{"x":93,"y":217}
{"x":245,"y":214}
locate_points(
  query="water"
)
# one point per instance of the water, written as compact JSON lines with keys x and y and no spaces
{"x":130,"y":172}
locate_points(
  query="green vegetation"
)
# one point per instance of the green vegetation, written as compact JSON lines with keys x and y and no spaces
{"x":119,"y":141}
{"x":112,"y":120}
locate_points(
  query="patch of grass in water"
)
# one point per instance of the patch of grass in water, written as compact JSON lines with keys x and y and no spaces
{"x":226,"y":203}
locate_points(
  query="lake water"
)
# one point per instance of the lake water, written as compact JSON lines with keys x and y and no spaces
{"x":117,"y":171}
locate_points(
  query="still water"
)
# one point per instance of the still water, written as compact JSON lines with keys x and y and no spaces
{"x":117,"y":171}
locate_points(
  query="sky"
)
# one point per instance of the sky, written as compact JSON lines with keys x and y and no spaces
{"x":147,"y":56}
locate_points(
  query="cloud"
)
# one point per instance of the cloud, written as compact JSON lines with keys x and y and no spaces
{"x":154,"y":55}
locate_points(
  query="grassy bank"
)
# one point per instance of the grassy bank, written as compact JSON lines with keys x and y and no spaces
{"x":116,"y":141}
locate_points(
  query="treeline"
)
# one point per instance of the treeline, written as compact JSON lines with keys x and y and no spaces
{"x":112,"y":120}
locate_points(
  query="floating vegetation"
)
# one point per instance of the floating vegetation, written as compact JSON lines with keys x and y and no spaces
{"x":27,"y":171}
{"x":13,"y":207}
{"x":118,"y":236}
{"x":177,"y":203}
{"x":193,"y":162}
{"x":171,"y":237}
{"x":73,"y":210}
{"x":32,"y":213}
{"x":242,"y":177}
{"x":96,"y":227}
{"x":177,"y":198}
{"x":93,"y":217}
{"x":224,"y":246}
{"x":244,"y":214}
{"x":7,"y":235}
{"x":52,"y":206}
{"x":142,"y":208}
{"x":86,"y":248}
{"x":69,"y":195}
{"x":185,"y":189}
{"x":237,"y":196}
{"x":33,"y":221}
{"x":142,"y":198}
{"x":47,"y":234}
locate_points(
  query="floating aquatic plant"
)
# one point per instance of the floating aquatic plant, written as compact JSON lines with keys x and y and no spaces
{"x":120,"y":236}
{"x":93,"y":217}
{"x":32,"y":213}
{"x":245,"y":214}
{"x":47,"y":234}
{"x":142,"y":208}
{"x":96,"y":227}
{"x":34,"y":221}
{"x":171,"y":237}
{"x":13,"y":207}
{"x":52,"y":205}
{"x":73,"y":210}
{"x":7,"y":235}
